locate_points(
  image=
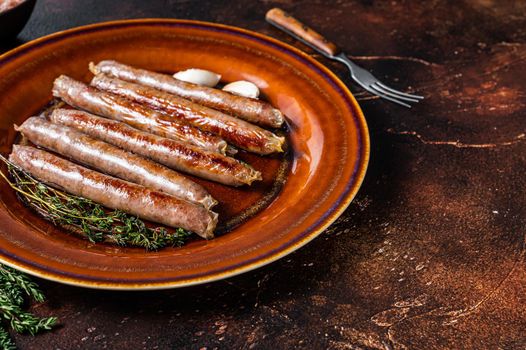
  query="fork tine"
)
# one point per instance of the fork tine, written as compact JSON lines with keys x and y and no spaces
{"x":382,"y":95}
{"x":400,"y":92}
{"x":393,"y":95}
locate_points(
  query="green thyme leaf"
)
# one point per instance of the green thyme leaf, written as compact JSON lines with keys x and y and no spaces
{"x":5,"y":340}
{"x":13,"y":286}
{"x":88,"y":218}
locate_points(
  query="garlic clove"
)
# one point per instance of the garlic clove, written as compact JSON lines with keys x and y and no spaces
{"x":242,"y":88}
{"x":198,"y":76}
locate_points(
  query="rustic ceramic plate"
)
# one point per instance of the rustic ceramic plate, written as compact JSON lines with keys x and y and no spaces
{"x":329,"y":150}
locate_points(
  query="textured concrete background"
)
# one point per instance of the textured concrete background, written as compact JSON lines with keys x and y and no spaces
{"x":430,"y":255}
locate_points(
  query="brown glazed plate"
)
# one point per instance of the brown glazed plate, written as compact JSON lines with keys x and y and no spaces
{"x":301,"y":194}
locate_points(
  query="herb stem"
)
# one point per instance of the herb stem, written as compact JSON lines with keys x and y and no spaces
{"x":13,"y":286}
{"x":86,"y":217}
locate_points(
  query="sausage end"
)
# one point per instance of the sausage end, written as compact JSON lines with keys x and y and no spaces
{"x":209,"y":230}
{"x":277,"y":118}
{"x":254,"y":176}
{"x":276,"y":144}
{"x":208,"y":202}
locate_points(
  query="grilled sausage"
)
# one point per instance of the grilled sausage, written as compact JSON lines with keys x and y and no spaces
{"x":112,"y":160}
{"x":252,"y":110}
{"x":115,"y":107}
{"x":233,"y":130}
{"x":114,"y":193}
{"x":180,"y":156}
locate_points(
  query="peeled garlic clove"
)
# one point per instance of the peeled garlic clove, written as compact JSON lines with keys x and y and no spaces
{"x":198,"y":76}
{"x":242,"y":88}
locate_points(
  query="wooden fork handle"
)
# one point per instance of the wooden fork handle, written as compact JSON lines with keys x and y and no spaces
{"x":283,"y":20}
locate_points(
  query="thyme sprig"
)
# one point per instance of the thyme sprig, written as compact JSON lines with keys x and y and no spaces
{"x":87,"y":218}
{"x":14,"y":286}
{"x":79,"y":215}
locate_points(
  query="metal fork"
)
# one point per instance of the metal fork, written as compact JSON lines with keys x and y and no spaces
{"x":285,"y":22}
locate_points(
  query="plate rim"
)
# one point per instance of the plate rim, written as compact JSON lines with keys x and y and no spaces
{"x":324,"y":224}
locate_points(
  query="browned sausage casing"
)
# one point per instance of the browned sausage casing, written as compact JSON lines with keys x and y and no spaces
{"x":115,"y":107}
{"x":252,"y":110}
{"x":235,"y":131}
{"x":114,"y":193}
{"x":180,"y":156}
{"x":112,"y":160}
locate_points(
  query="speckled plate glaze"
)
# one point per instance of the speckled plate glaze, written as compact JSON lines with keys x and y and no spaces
{"x":326,"y":163}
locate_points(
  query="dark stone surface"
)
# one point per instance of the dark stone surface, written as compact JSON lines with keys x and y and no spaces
{"x":430,"y":255}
